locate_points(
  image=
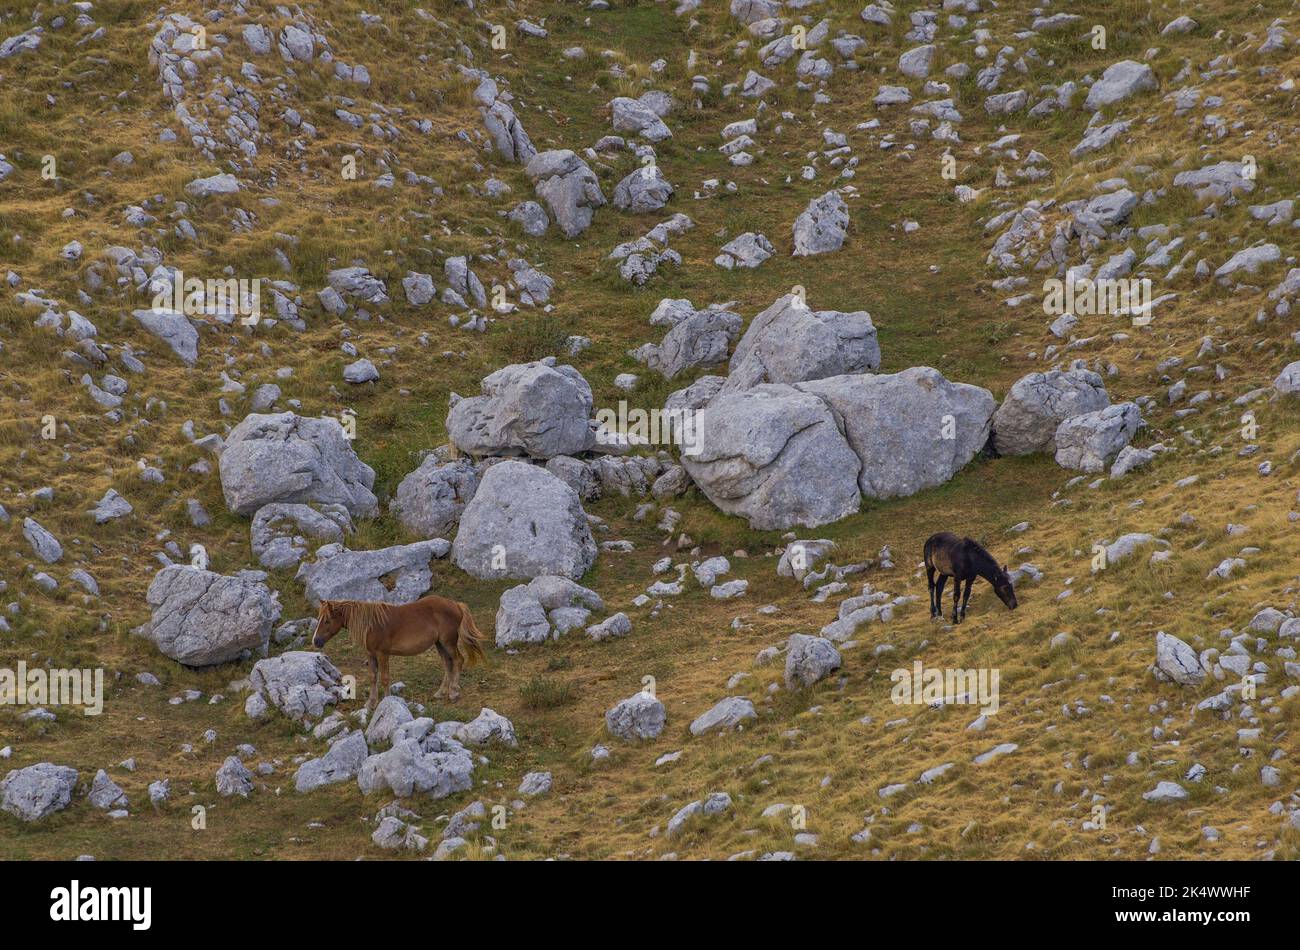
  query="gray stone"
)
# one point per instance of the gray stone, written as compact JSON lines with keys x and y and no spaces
{"x":105,"y":794}
{"x":634,"y":115}
{"x":569,"y":187}
{"x":433,"y":766}
{"x":535,"y":783}
{"x":340,"y":764}
{"x":430,"y":500}
{"x":531,"y":217}
{"x":809,"y":660}
{"x":524,"y":614}
{"x":233,"y":778}
{"x":289,"y":458}
{"x":391,"y":712}
{"x":523,"y":522}
{"x":746,"y":251}
{"x":640,"y":716}
{"x":702,"y":339}
{"x":791,"y":343}
{"x":727,"y":714}
{"x":1120,"y":81}
{"x":395,"y":575}
{"x":774,"y":456}
{"x":1088,"y":442}
{"x":223,"y":184}
{"x":37,"y":791}
{"x":299,"y":683}
{"x":487,"y":727}
{"x":643,"y":191}
{"x":911,"y":430}
{"x":43,"y":544}
{"x":1176,"y":660}
{"x":533,"y":409}
{"x":201,"y":618}
{"x":822,"y":227}
{"x":1037,"y":404}
{"x":280,"y":533}
{"x":174,"y":329}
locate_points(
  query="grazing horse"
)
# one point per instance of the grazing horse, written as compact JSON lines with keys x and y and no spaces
{"x":385,"y":630}
{"x":963,"y":560}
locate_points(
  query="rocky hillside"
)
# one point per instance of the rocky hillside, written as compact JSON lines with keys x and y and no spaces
{"x":662,"y":335}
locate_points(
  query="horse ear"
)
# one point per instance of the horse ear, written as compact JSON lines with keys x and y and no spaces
{"x":1004,"y":569}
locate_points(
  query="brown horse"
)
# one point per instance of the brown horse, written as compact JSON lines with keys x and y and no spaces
{"x":385,"y":630}
{"x":963,"y":560}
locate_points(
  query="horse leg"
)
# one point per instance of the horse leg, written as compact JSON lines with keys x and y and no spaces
{"x":453,"y":694}
{"x":956,"y":600}
{"x":965,"y":600}
{"x":446,"y":671}
{"x":938,"y":595}
{"x":929,"y":581}
{"x":383,"y":672}
{"x":374,"y":682}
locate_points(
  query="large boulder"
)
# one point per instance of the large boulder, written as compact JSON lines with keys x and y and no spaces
{"x":1118,"y":82}
{"x":340,"y":764}
{"x":809,"y":660}
{"x":523,"y":522}
{"x":1218,"y":181}
{"x":643,"y":191}
{"x":774,"y":456}
{"x":822,"y":226}
{"x":1037,"y":404}
{"x":201,"y":618}
{"x":430,"y":500}
{"x":791,"y":343}
{"x":1177,"y":661}
{"x":395,"y":575}
{"x":281,"y":534}
{"x":1288,"y":381}
{"x":1089,"y":442}
{"x":299,"y":683}
{"x":568,"y":186}
{"x":174,"y":329}
{"x":508,"y":134}
{"x":635,"y":115}
{"x":432,"y":765}
{"x":542,"y":609}
{"x":638,"y":717}
{"x":37,"y":791}
{"x":535,"y":409}
{"x":702,"y":339}
{"x":726,"y":714}
{"x":910,"y":430}
{"x":284,"y":457}
{"x":782,"y":456}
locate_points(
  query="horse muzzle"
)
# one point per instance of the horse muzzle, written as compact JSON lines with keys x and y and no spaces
{"x":318,"y":643}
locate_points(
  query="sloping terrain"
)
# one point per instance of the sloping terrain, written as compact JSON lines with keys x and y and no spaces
{"x":363,"y":137}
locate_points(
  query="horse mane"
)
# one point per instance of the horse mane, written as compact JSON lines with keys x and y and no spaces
{"x":361,"y":616}
{"x":983,"y":561}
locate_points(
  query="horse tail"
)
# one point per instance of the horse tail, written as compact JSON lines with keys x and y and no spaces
{"x":469,"y":639}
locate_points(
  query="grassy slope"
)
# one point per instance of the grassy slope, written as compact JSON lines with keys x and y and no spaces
{"x":823,"y":756}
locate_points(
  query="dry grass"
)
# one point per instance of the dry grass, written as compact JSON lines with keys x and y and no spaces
{"x":830,"y":749}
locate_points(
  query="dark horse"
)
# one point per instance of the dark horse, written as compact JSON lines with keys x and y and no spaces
{"x":963,"y":560}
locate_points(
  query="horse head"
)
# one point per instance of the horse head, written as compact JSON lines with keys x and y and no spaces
{"x":1003,"y":587}
{"x":328,"y":622}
